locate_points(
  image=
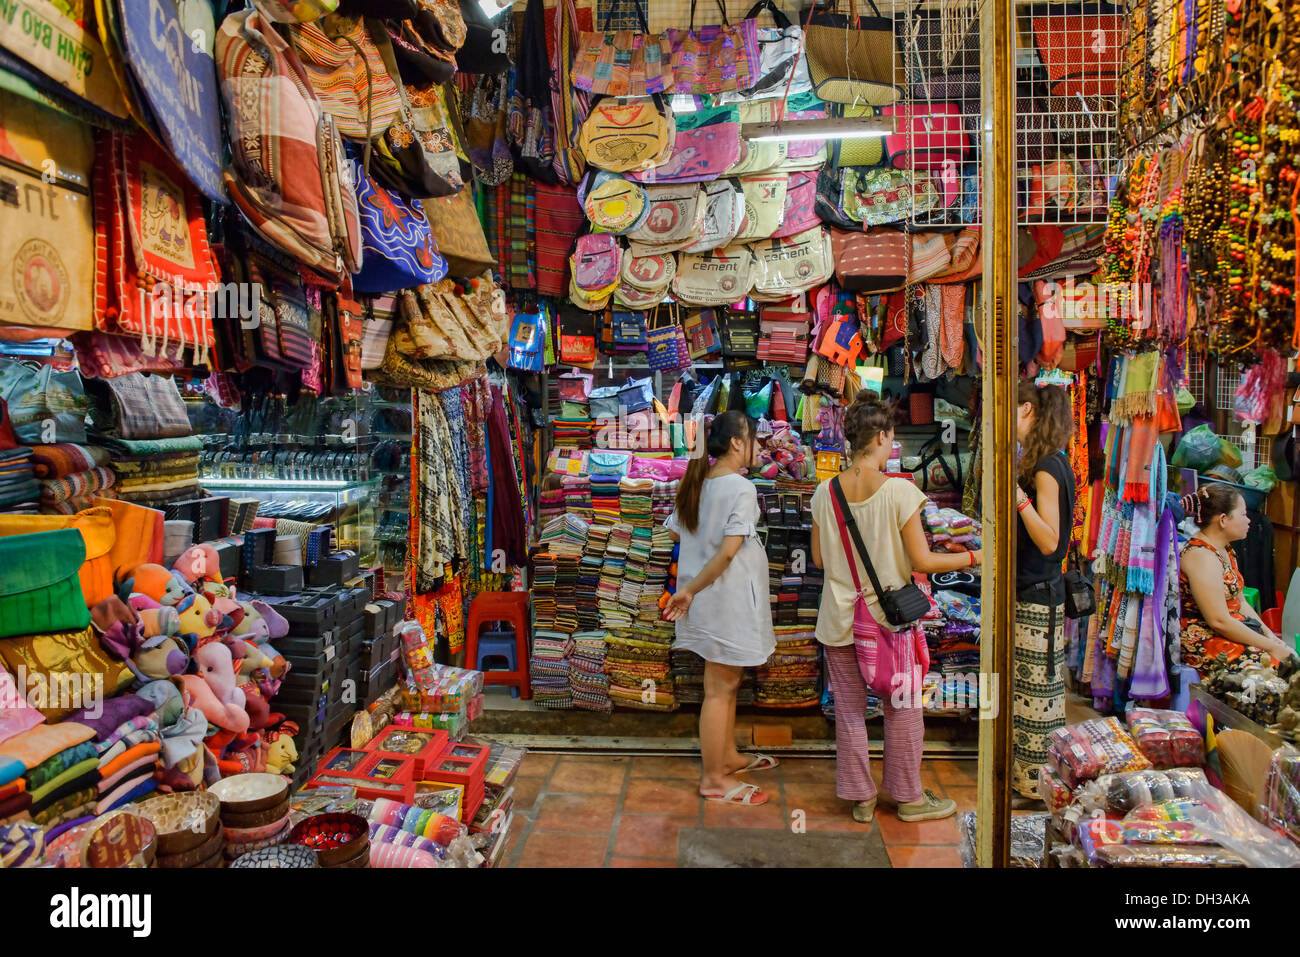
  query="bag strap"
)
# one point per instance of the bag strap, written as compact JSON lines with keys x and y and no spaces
{"x":779,"y":18}
{"x":640,"y":13}
{"x":847,"y":520}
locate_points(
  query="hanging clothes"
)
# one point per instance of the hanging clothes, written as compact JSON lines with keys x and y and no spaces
{"x":507,"y":519}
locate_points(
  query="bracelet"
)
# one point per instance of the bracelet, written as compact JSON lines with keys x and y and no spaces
{"x":1023,"y":505}
{"x":972,"y":559}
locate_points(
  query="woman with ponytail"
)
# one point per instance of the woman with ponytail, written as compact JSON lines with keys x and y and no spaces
{"x":1215,"y":619}
{"x":721,"y":605}
{"x":887,"y":514}
{"x":1045,"y":506}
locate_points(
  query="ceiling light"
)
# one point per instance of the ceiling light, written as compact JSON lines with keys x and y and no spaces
{"x":833,"y":128}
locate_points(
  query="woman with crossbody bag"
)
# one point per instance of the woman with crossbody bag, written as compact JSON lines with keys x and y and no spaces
{"x":867,"y":536}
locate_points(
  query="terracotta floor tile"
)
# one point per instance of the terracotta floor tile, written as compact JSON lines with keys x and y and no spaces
{"x":941,"y":855}
{"x":895,"y":831}
{"x":726,"y":815}
{"x":966,"y":798}
{"x":536,"y":763}
{"x":807,"y":771}
{"x":842,"y":823}
{"x":815,"y":800}
{"x":650,"y":796}
{"x":665,"y":766}
{"x":576,"y":812}
{"x":649,"y":835}
{"x":641,"y":862}
{"x":527,"y":791}
{"x":955,"y":773}
{"x":564,"y":850}
{"x":588,"y":775}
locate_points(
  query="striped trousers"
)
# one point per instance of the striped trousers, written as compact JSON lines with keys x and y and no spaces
{"x":904,"y":735}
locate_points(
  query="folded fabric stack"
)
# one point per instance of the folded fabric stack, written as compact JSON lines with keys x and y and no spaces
{"x":156,"y":471}
{"x":573,"y":433}
{"x":948,"y":530}
{"x":550,"y":505}
{"x":656,"y":576}
{"x":663,"y":500}
{"x":577,"y":496}
{"x":604,"y":498}
{"x":59,"y":770}
{"x":613,"y":615}
{"x":634,"y":497}
{"x":688,"y":680}
{"x":590,"y":568}
{"x":544,"y":590}
{"x":71,"y":476}
{"x":791,"y":678}
{"x":548,"y":668}
{"x":639,"y":673}
{"x":19,"y":489}
{"x":587,"y":679}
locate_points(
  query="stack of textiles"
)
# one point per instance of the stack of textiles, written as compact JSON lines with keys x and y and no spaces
{"x":550,"y":505}
{"x":688,"y":680}
{"x":634,"y":496}
{"x":954,"y":639}
{"x":590,"y":568}
{"x":565,"y":536}
{"x":945,"y":692}
{"x":948,"y":530}
{"x":544,"y":589}
{"x":577,"y":496}
{"x":156,"y":471}
{"x":59,"y":768}
{"x":573,"y":433}
{"x":639,"y":673}
{"x":634,"y":572}
{"x":19,"y":490}
{"x":791,"y":678}
{"x":656,"y":576}
{"x":549,"y":668}
{"x":605,"y":498}
{"x":72,"y":476}
{"x":587,"y":680}
{"x":663,"y":500}
{"x":828,"y":704}
{"x":613,"y":615}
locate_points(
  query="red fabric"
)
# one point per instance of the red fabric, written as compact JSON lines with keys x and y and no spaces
{"x":559,"y":220}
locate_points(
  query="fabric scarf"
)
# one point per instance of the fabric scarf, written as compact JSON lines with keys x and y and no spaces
{"x":56,"y":461}
{"x":77,"y":485}
{"x":1078,"y":455}
{"x":1140,"y":388}
{"x":507,"y":515}
{"x":1143,"y":438}
{"x":1142,"y":548}
{"x":952,"y":337}
{"x":1150,"y":674}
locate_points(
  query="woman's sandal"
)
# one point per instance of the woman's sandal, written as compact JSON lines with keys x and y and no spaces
{"x":740,"y":794}
{"x":759,"y":762}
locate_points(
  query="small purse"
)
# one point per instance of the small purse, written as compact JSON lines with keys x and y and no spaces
{"x":701,"y":330}
{"x":666,"y":349}
{"x":628,"y":329}
{"x":577,"y":338}
{"x":41,"y":590}
{"x":739,"y":334}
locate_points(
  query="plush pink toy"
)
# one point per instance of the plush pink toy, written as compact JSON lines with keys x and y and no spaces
{"x":216,"y":688}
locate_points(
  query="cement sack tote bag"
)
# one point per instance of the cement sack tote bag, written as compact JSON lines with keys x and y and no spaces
{"x":724,"y":210}
{"x":397,"y":243}
{"x":706,"y":144}
{"x":851,"y":58}
{"x":800,"y":210}
{"x":880,"y":195}
{"x":630,"y":297}
{"x":764,"y":155}
{"x":764,"y":205}
{"x":786,"y":267}
{"x":809,"y":153}
{"x":874,"y":261}
{"x":714,"y":59}
{"x":622,"y":62}
{"x":613,"y":204}
{"x":714,"y":278}
{"x":595,"y":262}
{"x":627,"y":135}
{"x":675,"y":214}
{"x":649,"y":274}
{"x":1081,"y":47}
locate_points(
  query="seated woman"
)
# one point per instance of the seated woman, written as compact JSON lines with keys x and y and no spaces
{"x":1215,"y":619}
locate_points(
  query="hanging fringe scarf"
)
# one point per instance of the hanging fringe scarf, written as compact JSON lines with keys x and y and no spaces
{"x":1140,"y":389}
{"x":1151,"y":673}
{"x":1142,"y":440}
{"x":1142,"y":550}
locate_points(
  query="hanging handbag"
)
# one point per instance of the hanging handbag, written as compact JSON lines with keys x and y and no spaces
{"x":800,"y":210}
{"x":45,"y":406}
{"x":527,"y":334}
{"x":628,"y":331}
{"x":780,"y":49}
{"x":903,"y":606}
{"x":627,"y":135}
{"x":874,"y":261}
{"x":930,"y":136}
{"x":41,"y":588}
{"x":461,"y":241}
{"x":714,"y":59}
{"x":706,"y":143}
{"x":788,"y":266}
{"x":714,"y":278}
{"x":666,"y":349}
{"x":675,"y":213}
{"x":724,"y":210}
{"x":851,"y":58}
{"x":881,"y":195}
{"x":764,"y":205}
{"x":596,"y":261}
{"x":139,"y":406}
{"x":398,"y":249}
{"x":577,"y":338}
{"x":649,"y":274}
{"x":701,"y":330}
{"x":613,"y":204}
{"x":856,"y":150}
{"x":758,"y":156}
{"x":622,"y":62}
{"x":739,"y":334}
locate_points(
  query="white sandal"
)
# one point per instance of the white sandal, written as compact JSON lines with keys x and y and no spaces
{"x":740,"y":794}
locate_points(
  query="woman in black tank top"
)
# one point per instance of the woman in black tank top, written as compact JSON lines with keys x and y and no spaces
{"x":1045,"y":508}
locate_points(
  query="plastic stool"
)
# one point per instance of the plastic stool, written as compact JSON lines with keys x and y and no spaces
{"x":513,"y":608}
{"x":1273,"y":619}
{"x":498,"y":644}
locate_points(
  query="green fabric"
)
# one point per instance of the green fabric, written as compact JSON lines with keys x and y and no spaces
{"x":53,"y":766}
{"x":40,"y":591}
{"x":140,"y":448}
{"x":71,"y":774}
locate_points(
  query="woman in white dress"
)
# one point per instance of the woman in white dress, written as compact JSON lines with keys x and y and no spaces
{"x":721,"y":606}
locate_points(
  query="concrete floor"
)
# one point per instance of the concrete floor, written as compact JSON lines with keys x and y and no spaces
{"x":591,"y":810}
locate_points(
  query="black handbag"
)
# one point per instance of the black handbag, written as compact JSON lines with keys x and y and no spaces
{"x":1080,"y":598}
{"x":739,"y":334}
{"x":902,"y":606}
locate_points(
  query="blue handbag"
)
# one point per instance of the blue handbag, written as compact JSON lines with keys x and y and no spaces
{"x":527,"y":342}
{"x":398,"y":248}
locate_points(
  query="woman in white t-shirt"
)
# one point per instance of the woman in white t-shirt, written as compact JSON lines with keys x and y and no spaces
{"x":721,"y":605}
{"x":888,"y":516}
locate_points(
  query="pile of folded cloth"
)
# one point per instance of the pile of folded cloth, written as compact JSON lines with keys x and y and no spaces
{"x":550,"y":505}
{"x":156,"y":471}
{"x":954,"y":640}
{"x":588,"y":682}
{"x":19,"y":489}
{"x":613,"y":615}
{"x":688,"y":679}
{"x":577,"y":496}
{"x":590,"y":568}
{"x":639,"y":672}
{"x":548,"y":668}
{"x":657,"y":568}
{"x":543,"y":590}
{"x":571,"y":430}
{"x":663,"y":500}
{"x":50,"y":772}
{"x":72,"y":476}
{"x":948,"y":530}
{"x":635,"y":501}
{"x":792,"y":676}
{"x":605,"y":498}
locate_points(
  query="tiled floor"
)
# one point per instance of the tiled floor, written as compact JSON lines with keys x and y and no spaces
{"x":604,"y":811}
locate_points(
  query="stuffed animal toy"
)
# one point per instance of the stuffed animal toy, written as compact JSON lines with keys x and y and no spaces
{"x":199,"y":563}
{"x":281,"y":752}
{"x":216,"y":689}
{"x":261,"y":624}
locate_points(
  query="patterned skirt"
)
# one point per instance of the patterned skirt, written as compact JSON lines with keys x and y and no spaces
{"x":1039,"y":700}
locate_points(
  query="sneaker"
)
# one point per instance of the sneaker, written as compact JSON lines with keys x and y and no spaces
{"x":864,"y":811}
{"x":931,"y":807}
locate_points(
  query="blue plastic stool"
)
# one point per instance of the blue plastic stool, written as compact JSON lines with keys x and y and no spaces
{"x":498,"y":644}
